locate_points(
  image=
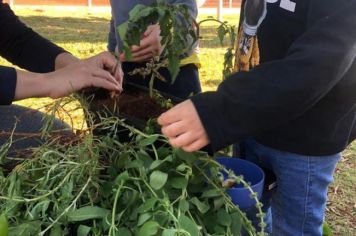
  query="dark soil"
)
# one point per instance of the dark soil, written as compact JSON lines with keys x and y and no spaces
{"x":139,"y":105}
{"x":132,"y":102}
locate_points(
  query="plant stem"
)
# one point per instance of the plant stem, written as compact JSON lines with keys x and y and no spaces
{"x":112,"y":226}
{"x":68,"y":208}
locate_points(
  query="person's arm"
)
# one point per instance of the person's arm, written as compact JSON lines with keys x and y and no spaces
{"x":275,"y":92}
{"x":191,"y":4}
{"x":18,"y":84}
{"x":111,"y":36}
{"x":22,"y":46}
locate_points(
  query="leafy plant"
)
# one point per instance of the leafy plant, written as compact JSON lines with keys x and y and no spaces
{"x":91,"y":185}
{"x":223,"y":30}
{"x":175,"y":23}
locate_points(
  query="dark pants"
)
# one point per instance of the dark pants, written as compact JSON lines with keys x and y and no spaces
{"x":187,"y":82}
{"x":28,"y":127}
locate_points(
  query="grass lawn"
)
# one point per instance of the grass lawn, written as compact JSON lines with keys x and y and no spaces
{"x":84,"y":33}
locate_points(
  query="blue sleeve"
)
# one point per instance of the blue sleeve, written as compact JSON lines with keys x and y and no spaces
{"x":112,"y":36}
{"x":191,"y":4}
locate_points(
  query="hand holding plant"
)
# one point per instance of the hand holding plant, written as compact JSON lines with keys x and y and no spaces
{"x":107,"y":61}
{"x":183,"y":127}
{"x":149,"y":47}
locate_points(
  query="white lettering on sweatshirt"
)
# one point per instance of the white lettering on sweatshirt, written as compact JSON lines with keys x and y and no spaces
{"x":285,"y":4}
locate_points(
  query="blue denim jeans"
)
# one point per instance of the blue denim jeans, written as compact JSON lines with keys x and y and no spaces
{"x":296,"y":206}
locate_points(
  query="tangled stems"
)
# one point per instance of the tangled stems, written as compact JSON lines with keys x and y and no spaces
{"x":113,"y":226}
{"x":36,"y":199}
{"x":68,"y":208}
{"x":239,"y":179}
{"x":130,"y":199}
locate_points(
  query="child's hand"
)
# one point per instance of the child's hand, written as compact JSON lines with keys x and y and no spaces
{"x":183,"y":127}
{"x":150,"y":45}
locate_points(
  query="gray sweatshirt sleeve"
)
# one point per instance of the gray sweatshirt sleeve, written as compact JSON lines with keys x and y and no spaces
{"x":191,"y":4}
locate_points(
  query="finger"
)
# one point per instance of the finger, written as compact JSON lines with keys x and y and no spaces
{"x":196,"y":146}
{"x":168,"y":118}
{"x":107,"y":60}
{"x":137,"y":59}
{"x":173,"y":130}
{"x":119,"y":75}
{"x":144,"y":43}
{"x":100,"y":82}
{"x":185,"y":139}
{"x":105,"y":75}
{"x":142,"y":58}
{"x":151,"y":51}
{"x":122,"y":57}
{"x":148,"y":31}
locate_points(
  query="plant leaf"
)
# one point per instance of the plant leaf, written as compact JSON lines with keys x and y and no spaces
{"x":221,"y":34}
{"x":237,"y":223}
{"x":148,"y":205}
{"x":202,"y":207}
{"x":149,"y":228}
{"x":4,"y":226}
{"x":179,"y":182}
{"x":211,"y":193}
{"x":183,"y":205}
{"x":158,"y":179}
{"x":224,"y":218}
{"x":189,"y":158}
{"x":143,"y":218}
{"x":169,"y":232}
{"x":26,"y":229}
{"x":83,"y":230}
{"x":122,"y":177}
{"x":123,"y":232}
{"x":87,"y":213}
{"x":188,"y":225}
{"x":148,"y":141}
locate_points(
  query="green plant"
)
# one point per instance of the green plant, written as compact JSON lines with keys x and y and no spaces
{"x":4,"y":227}
{"x":89,"y":185}
{"x":223,"y":30}
{"x":176,"y":24}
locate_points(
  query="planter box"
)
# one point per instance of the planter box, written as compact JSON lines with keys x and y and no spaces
{"x":134,"y":105}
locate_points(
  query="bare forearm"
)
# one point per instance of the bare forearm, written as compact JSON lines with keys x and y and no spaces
{"x":65,"y":59}
{"x":30,"y":85}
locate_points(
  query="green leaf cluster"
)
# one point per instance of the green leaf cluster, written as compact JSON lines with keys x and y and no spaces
{"x":99,"y":186}
{"x":178,"y":34}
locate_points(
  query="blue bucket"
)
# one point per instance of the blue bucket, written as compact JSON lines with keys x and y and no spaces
{"x":252,"y":174}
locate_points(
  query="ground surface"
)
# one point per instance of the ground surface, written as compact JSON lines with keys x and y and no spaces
{"x":83,"y":33}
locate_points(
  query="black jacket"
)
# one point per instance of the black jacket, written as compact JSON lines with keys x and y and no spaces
{"x":21,"y":46}
{"x":302,"y":97}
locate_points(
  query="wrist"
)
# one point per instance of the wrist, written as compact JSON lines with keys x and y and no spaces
{"x":31,"y":85}
{"x":65,"y":59}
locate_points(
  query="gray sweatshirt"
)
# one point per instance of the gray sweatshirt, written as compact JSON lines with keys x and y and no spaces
{"x":120,"y":13}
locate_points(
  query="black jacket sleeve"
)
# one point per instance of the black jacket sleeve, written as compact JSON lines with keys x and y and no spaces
{"x":278,"y":91}
{"x":23,"y":47}
{"x":7,"y":85}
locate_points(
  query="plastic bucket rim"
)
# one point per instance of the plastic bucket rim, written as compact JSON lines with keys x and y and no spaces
{"x":249,"y":162}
